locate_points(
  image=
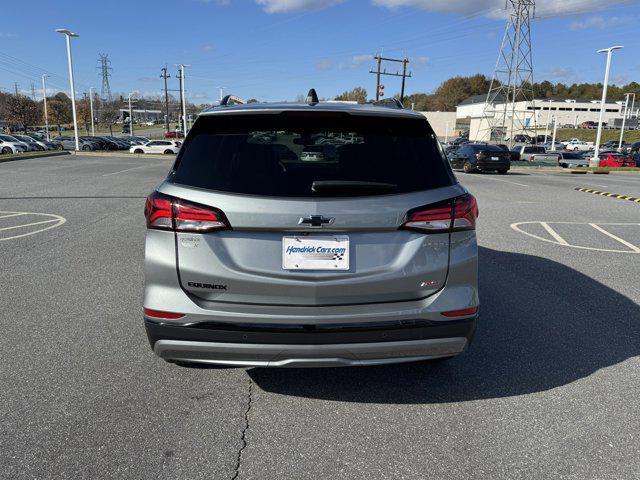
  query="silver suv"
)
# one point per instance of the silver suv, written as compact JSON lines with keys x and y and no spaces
{"x":258,"y":254}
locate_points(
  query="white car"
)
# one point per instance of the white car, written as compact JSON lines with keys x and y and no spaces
{"x":576,"y":145}
{"x":9,"y":144}
{"x":157,"y":146}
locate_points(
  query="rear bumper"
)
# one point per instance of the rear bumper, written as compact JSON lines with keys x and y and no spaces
{"x":493,"y":165}
{"x":256,"y":345}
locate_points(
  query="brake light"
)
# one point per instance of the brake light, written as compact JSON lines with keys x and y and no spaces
{"x":532,"y":158}
{"x":458,"y":214}
{"x":164,"y":212}
{"x":461,"y":313}
{"x":160,"y":314}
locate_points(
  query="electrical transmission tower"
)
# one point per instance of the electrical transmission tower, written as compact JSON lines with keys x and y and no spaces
{"x":509,"y":109}
{"x":104,"y":65}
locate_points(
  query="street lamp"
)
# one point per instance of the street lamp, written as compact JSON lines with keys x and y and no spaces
{"x":130,"y":116}
{"x":594,"y":161}
{"x":93,"y":128}
{"x":44,"y":99}
{"x":68,"y":36}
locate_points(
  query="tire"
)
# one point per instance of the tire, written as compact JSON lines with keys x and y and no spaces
{"x":168,"y":152}
{"x":137,"y":150}
{"x":502,"y":172}
{"x":576,"y":149}
{"x":86,"y":148}
{"x":467,"y":167}
{"x":564,"y":165}
{"x":7,"y":151}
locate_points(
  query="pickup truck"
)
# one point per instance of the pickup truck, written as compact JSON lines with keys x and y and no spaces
{"x":576,"y":145}
{"x":533,"y":153}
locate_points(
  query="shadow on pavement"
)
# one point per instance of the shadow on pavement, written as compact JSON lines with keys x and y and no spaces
{"x":542,"y":325}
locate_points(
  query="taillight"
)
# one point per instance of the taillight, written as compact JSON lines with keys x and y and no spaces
{"x":164,"y":212}
{"x":456,"y":215}
{"x":532,"y":158}
{"x":162,"y":314}
{"x":461,"y":313}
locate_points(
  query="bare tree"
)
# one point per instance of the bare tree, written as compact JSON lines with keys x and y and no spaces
{"x":358,"y":94}
{"x":109,"y":114}
{"x":59,"y":110}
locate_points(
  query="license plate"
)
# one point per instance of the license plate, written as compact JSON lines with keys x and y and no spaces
{"x":322,"y":252}
{"x":495,"y":158}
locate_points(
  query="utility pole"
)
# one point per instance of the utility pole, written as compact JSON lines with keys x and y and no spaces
{"x":165,"y":75}
{"x":93,"y":128}
{"x":33,"y":91}
{"x":183,"y":99}
{"x":44,"y":99}
{"x":15,"y":85}
{"x":104,"y":65}
{"x":130,"y":117}
{"x":624,"y":118}
{"x":378,"y":72}
{"x":179,"y":76}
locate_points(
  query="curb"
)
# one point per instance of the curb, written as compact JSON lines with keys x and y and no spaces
{"x":119,"y":153}
{"x":22,"y":156}
{"x":611,"y":195}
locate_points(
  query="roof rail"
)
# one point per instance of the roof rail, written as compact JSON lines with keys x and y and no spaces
{"x":231,"y":100}
{"x":389,"y":103}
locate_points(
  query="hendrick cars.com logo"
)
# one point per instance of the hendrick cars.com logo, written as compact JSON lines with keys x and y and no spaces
{"x":323,"y":253}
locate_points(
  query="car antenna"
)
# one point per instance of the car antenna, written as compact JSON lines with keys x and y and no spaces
{"x":312,"y":97}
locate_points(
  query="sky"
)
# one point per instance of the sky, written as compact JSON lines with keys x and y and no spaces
{"x":277,"y":49}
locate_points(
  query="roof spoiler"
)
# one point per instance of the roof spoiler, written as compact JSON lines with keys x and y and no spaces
{"x":389,"y":103}
{"x":231,"y":100}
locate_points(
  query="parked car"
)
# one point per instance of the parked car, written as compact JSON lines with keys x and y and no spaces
{"x":176,"y":134}
{"x":548,"y":146}
{"x":572,"y":159}
{"x":9,"y":144}
{"x":588,"y":124}
{"x":32,"y":145}
{"x":460,"y":141}
{"x":474,"y":157}
{"x":250,"y":264}
{"x":157,"y":146}
{"x":579,"y":146}
{"x":521,"y":138}
{"x":616,"y":160}
{"x":534,"y":153}
{"x":69,"y":143}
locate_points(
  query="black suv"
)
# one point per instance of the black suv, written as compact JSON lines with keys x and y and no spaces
{"x":473,"y":157}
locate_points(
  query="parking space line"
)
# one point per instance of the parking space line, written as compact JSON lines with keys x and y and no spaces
{"x":12,"y":215}
{"x":554,"y":234}
{"x":503,"y":180}
{"x":28,"y":224}
{"x":127,"y":170}
{"x":624,"y":242}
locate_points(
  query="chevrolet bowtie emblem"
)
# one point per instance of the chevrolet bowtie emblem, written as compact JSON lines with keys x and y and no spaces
{"x":316,"y":221}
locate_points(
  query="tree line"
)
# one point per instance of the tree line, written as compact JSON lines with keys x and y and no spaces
{"x":454,"y":90}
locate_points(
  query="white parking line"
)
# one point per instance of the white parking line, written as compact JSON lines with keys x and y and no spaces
{"x":127,"y":170}
{"x":501,"y":180}
{"x":12,"y":215}
{"x":56,"y":221}
{"x":27,"y":225}
{"x":624,"y":242}
{"x":554,"y":234}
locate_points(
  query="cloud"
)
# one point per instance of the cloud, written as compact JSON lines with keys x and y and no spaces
{"x":7,"y":35}
{"x":357,"y":60}
{"x":207,"y":48}
{"x":600,"y":23}
{"x":325,"y":64}
{"x":419,"y":60}
{"x":495,"y":8}
{"x":560,"y":74}
{"x":285,"y":6}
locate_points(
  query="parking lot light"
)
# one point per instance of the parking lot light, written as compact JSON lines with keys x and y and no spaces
{"x":609,"y":51}
{"x":130,"y":117}
{"x":44,"y":99}
{"x":68,"y":34}
{"x":93,"y":128}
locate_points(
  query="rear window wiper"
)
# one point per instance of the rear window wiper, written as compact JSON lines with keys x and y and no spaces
{"x":350,"y":186}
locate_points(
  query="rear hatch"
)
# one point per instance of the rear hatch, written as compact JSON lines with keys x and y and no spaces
{"x":292,"y":228}
{"x":492,"y":153}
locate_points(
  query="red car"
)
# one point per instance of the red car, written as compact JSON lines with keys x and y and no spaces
{"x":174,"y":135}
{"x":616,"y":160}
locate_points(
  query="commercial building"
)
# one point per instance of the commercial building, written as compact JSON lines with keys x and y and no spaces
{"x":539,"y":113}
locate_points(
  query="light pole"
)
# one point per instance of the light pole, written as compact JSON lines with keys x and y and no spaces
{"x":624,"y":118}
{"x":555,"y":133}
{"x":633,"y":103}
{"x":44,"y":99}
{"x":594,"y":161}
{"x":93,"y":128}
{"x":221,"y":90}
{"x":130,"y":117}
{"x":68,"y":36}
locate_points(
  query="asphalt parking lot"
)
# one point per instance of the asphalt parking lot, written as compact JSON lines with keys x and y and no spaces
{"x":548,"y":389}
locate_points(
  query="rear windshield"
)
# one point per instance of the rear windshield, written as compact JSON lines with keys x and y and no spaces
{"x":534,"y":150}
{"x":487,"y":148}
{"x":287,"y":154}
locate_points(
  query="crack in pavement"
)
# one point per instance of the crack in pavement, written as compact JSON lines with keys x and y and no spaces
{"x":243,"y":438}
